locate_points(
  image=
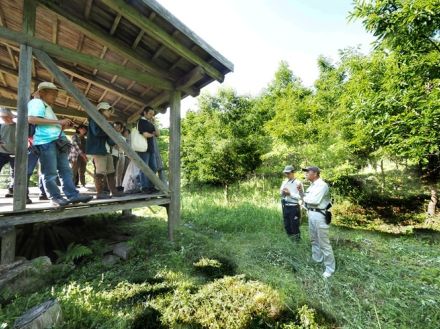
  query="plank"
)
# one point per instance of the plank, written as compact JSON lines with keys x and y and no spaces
{"x":48,"y":63}
{"x":174,"y":163}
{"x":103,"y":37}
{"x":42,"y":206}
{"x":162,"y":36}
{"x":80,"y":211}
{"x":144,"y":78}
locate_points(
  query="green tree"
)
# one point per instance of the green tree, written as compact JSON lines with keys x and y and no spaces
{"x":402,"y":106}
{"x":221,"y":140}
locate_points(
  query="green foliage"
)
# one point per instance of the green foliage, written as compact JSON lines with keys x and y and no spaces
{"x":72,"y":253}
{"x":221,"y":143}
{"x":160,"y":283}
{"x":230,"y":302}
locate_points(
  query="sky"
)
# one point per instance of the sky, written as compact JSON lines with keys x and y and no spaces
{"x":255,"y":35}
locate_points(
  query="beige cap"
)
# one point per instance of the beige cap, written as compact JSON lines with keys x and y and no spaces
{"x":103,"y":106}
{"x":47,"y":85}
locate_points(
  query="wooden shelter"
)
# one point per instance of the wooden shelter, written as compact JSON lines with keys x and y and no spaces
{"x":131,"y":53}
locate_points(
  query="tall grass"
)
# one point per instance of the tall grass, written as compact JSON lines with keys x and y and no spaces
{"x":382,"y":280}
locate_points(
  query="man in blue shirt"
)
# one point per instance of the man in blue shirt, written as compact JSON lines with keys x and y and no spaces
{"x":53,"y":159}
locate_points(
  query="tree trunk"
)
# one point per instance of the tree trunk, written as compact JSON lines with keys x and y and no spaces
{"x":226,"y":193}
{"x":433,"y":202}
{"x":382,"y":172}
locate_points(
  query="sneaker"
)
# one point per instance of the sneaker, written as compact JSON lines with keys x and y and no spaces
{"x":59,"y":202}
{"x":83,"y":198}
{"x":28,"y":201}
{"x":43,"y":197}
{"x":9,"y":195}
{"x":326,"y":275}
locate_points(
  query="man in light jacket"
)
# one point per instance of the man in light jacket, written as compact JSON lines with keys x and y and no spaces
{"x":316,"y":199}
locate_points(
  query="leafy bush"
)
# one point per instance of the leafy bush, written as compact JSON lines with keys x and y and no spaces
{"x":230,"y":302}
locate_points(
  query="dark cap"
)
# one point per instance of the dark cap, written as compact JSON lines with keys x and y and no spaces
{"x":312,"y":168}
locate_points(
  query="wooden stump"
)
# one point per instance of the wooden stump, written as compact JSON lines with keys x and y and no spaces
{"x":45,"y":315}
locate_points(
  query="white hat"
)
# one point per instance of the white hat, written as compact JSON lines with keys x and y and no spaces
{"x":288,"y":169}
{"x":6,"y":113}
{"x":103,"y":106}
{"x":46,"y":85}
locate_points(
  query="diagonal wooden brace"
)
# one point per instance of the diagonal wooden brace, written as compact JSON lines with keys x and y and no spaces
{"x":91,"y":110}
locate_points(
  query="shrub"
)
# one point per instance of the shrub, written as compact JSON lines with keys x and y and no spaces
{"x":230,"y":302}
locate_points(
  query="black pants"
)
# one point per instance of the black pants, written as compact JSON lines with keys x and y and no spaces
{"x":291,"y":216}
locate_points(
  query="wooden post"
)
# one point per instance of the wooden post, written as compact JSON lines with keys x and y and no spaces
{"x":174,"y":163}
{"x":7,"y":236}
{"x":127,"y":213}
{"x":91,"y":110}
{"x":24,"y":93}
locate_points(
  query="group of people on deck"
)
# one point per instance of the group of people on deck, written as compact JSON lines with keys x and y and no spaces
{"x":64,"y":162}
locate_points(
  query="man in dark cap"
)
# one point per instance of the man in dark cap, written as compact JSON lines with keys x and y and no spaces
{"x":317,"y":199}
{"x":290,"y":203}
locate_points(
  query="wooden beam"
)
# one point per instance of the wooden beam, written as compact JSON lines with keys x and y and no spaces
{"x":174,"y":163}
{"x":99,"y":83}
{"x":138,"y":39}
{"x":50,"y":65}
{"x":96,"y":33}
{"x":88,"y":9}
{"x":115,"y":24}
{"x":7,"y":237}
{"x":190,"y":78}
{"x":23,"y":97}
{"x":159,"y":99}
{"x":87,"y":60}
{"x":30,"y":217}
{"x":161,"y":11}
{"x":67,"y":112}
{"x":55,"y":31}
{"x":163,"y":37}
{"x":183,"y":84}
{"x":11,"y":56}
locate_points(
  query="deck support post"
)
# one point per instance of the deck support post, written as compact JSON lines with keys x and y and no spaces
{"x":23,"y":97}
{"x":7,"y":236}
{"x":174,"y":163}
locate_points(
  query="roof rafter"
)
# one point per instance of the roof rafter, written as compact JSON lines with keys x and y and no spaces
{"x":88,"y":60}
{"x":159,"y":34}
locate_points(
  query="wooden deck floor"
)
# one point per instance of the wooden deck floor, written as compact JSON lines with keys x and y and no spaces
{"x":42,"y":211}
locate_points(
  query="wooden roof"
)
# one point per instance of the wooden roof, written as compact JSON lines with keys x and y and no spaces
{"x":128,"y":53}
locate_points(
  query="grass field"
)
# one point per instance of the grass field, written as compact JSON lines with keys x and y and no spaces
{"x":232,"y":266}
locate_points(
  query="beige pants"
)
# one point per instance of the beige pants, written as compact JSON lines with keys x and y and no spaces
{"x":321,"y":248}
{"x":104,"y":164}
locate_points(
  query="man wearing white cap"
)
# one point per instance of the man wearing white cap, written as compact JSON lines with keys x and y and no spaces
{"x":48,"y":140}
{"x":7,"y":145}
{"x":290,"y":199}
{"x":96,"y":146}
{"x":317,"y":200}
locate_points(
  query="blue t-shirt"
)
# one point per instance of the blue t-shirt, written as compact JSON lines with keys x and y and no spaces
{"x":43,"y":133}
